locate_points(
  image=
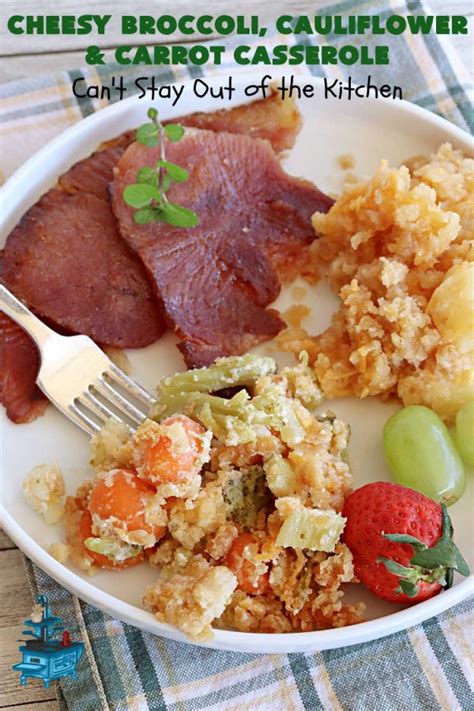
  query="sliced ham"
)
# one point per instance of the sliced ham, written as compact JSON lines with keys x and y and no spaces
{"x":19,"y":365}
{"x":276,"y":119}
{"x":66,"y":260}
{"x":46,"y":255}
{"x":94,"y":173}
{"x":215,"y":280}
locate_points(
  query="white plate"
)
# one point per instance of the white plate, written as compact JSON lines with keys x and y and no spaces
{"x":370,"y":130}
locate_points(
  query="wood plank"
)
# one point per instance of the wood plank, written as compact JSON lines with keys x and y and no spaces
{"x":49,"y":705}
{"x":15,"y":608}
{"x":5,"y":542}
{"x":14,"y":591}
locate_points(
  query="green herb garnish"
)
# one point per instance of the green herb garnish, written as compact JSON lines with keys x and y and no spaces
{"x":148,"y":194}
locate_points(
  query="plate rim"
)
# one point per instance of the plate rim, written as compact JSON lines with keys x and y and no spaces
{"x":249,"y":642}
{"x":231,"y":640}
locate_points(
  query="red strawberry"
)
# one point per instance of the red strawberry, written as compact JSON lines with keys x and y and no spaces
{"x":401,"y":542}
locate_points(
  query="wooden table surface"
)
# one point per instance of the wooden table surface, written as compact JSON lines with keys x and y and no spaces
{"x":24,"y":56}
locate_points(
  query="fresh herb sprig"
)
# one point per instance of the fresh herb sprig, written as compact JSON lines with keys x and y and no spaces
{"x":148,"y":194}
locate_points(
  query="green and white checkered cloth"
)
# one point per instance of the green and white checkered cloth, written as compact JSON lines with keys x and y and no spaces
{"x":427,"y":667}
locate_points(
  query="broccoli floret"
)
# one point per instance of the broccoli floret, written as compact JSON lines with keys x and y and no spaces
{"x":245,"y":494}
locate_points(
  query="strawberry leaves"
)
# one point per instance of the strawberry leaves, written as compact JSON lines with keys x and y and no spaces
{"x":148,"y":194}
{"x":435,"y":564}
{"x":406,"y":586}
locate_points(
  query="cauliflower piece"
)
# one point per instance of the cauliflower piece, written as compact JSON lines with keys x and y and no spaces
{"x":111,"y":447}
{"x":316,"y":470}
{"x":191,"y":520}
{"x":43,"y":488}
{"x":193,"y":597}
{"x":281,"y":478}
{"x":307,"y":528}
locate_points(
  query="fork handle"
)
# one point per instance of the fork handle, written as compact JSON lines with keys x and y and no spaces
{"x":14,"y":308}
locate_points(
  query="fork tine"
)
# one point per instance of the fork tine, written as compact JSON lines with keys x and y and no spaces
{"x":107,"y":391}
{"x":130,"y":386}
{"x":81,"y":419}
{"x":80,"y":379}
{"x":98,"y":408}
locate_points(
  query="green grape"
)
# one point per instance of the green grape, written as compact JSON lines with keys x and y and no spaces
{"x":420,"y":454}
{"x":464,"y":433}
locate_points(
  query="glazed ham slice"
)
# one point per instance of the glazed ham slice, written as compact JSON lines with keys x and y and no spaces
{"x":65,"y":240}
{"x":273,"y":118}
{"x":215,"y":280}
{"x":94,"y":173}
{"x":276,"y":119}
{"x":66,"y":260}
{"x":42,"y":267}
{"x":19,"y":365}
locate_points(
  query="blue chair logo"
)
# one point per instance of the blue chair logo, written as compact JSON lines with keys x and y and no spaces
{"x":46,"y":656}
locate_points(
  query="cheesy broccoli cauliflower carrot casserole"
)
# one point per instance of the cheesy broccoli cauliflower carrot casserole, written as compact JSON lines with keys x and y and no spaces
{"x":233,"y":490}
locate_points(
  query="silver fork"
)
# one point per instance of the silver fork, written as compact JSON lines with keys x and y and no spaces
{"x":77,"y":376}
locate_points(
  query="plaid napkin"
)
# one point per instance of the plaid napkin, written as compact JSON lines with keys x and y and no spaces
{"x":429,"y":666}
